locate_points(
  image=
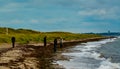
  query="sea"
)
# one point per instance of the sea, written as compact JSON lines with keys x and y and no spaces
{"x":103,"y":54}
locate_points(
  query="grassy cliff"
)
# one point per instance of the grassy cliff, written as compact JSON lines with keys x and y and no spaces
{"x":30,"y":36}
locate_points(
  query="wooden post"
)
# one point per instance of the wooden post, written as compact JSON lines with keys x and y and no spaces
{"x":13,"y":42}
{"x":6,"y":31}
{"x":45,"y":41}
{"x":55,"y":45}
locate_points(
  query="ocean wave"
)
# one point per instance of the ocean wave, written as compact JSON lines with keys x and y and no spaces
{"x":88,"y":58}
{"x":109,"y":65}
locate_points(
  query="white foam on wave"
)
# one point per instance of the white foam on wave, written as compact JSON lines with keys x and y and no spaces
{"x":106,"y":62}
{"x":93,"y":54}
{"x":88,"y":51}
{"x":118,"y":36}
{"x":92,"y":45}
{"x":108,"y":65}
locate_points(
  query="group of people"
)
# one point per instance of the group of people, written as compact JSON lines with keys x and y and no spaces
{"x":45,"y":42}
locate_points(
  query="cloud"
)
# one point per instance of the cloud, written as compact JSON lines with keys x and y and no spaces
{"x":34,"y":21}
{"x":91,"y":12}
{"x":50,"y":20}
{"x":69,"y":14}
{"x":11,"y":7}
{"x":16,"y":21}
{"x":101,"y":13}
{"x":94,"y":23}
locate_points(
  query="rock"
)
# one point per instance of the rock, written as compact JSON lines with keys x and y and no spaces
{"x":102,"y":56}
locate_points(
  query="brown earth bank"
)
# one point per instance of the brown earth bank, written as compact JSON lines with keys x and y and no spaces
{"x":35,"y":56}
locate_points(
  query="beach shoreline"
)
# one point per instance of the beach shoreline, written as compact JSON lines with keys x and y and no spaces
{"x":44,"y":55}
{"x":58,"y":56}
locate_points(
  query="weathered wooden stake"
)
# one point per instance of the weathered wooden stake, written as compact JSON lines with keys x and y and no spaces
{"x":13,"y":41}
{"x":45,"y":41}
{"x":55,"y":45}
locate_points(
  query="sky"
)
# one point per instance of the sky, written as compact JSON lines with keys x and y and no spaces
{"x":78,"y":16}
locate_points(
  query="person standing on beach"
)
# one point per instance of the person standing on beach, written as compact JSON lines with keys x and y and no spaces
{"x":55,"y":44}
{"x":61,"y":42}
{"x":13,"y":41}
{"x":45,"y":40}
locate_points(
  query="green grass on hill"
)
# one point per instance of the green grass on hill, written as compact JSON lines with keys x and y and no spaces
{"x":29,"y":36}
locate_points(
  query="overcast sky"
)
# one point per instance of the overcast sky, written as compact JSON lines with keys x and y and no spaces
{"x":61,"y":15}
